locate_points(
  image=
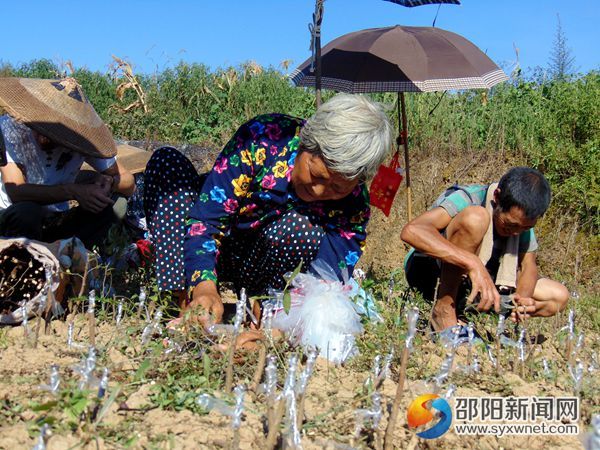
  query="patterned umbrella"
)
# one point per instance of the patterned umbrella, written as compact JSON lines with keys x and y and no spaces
{"x":411,"y":3}
{"x":315,"y":32}
{"x":401,"y":59}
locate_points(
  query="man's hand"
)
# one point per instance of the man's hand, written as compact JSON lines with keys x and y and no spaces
{"x":105,"y":182}
{"x":526,"y":307}
{"x":482,"y":284}
{"x":206,"y":304}
{"x":122,"y":180}
{"x":92,"y":197}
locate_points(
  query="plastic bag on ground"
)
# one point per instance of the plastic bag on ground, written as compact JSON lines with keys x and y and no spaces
{"x":322,"y":315}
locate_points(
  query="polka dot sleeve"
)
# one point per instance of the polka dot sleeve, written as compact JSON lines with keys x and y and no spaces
{"x":345,"y":234}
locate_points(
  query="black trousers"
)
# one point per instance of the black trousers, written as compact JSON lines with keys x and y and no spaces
{"x":32,"y":220}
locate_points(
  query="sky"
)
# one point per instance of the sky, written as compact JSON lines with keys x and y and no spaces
{"x":153,"y":35}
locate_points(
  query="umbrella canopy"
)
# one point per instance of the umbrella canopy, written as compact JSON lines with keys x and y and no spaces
{"x":411,"y":3}
{"x":315,"y":31}
{"x":401,"y":59}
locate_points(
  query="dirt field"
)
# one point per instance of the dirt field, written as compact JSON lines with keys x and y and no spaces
{"x":150,"y":402}
{"x":145,"y":414}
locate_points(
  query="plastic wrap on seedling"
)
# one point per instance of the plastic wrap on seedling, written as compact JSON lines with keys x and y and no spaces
{"x":52,"y":387}
{"x":70,"y":329}
{"x":119,"y":316}
{"x":365,"y":304}
{"x":577,"y":376}
{"x":172,"y":345}
{"x":370,"y":417}
{"x":412,"y":316}
{"x":269,"y":387}
{"x":240,"y":311}
{"x":268,"y":311}
{"x":43,"y":437}
{"x":450,"y":392}
{"x":220,"y":329}
{"x":445,"y":370}
{"x":521,"y":344}
{"x":92,"y":302}
{"x":25,"y":322}
{"x":570,"y":327}
{"x":501,"y":325}
{"x":387,"y":362}
{"x":375,"y":370}
{"x":451,"y":337}
{"x":547,"y":372}
{"x":306,"y":373}
{"x":292,"y":435}
{"x":321,"y":316}
{"x":592,"y":439}
{"x":103,"y":386}
{"x":595,"y":361}
{"x":578,"y":344}
{"x":210,"y":403}
{"x":239,"y":392}
{"x":70,"y":337}
{"x":86,"y":370}
{"x":470,"y":334}
{"x":142,"y":307}
{"x":152,"y":328}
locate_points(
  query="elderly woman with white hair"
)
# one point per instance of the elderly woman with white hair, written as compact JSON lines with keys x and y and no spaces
{"x":282,"y":191}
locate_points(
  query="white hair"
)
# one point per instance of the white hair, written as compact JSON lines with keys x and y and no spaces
{"x":352,"y":133}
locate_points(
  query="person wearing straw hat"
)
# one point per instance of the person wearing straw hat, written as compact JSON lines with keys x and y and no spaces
{"x":480,"y":238}
{"x":49,"y":130}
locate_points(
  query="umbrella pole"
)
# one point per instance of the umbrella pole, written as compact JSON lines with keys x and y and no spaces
{"x":403,"y":138}
{"x":318,"y":18}
{"x":318,"y":71}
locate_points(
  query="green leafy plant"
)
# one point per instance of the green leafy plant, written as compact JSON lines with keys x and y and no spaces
{"x":287,"y":296}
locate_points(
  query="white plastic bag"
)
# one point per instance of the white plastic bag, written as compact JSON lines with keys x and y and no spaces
{"x":322,"y":315}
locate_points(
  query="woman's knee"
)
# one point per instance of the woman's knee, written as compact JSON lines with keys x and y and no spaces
{"x":162,"y":155}
{"x":169,"y":172}
{"x":294,"y":234}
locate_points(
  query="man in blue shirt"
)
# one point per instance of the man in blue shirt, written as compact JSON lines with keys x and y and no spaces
{"x":483,"y":233}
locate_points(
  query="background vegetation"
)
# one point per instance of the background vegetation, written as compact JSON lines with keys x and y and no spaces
{"x":549,"y":120}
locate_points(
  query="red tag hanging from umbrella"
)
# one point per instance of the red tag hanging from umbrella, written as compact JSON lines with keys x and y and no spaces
{"x":385,"y":185}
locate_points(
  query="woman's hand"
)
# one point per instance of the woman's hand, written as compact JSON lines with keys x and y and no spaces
{"x":206,"y":305}
{"x":250,"y":339}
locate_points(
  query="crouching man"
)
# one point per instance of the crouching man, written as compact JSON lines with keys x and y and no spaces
{"x":481,"y":237}
{"x":49,"y":130}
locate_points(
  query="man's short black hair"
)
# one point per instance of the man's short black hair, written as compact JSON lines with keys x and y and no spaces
{"x":526,"y":188}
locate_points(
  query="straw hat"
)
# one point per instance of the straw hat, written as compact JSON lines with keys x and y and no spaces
{"x":59,"y":110}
